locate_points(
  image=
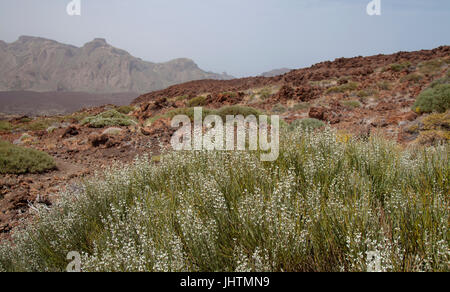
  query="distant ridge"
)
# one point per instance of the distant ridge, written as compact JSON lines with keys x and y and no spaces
{"x":276,"y":72}
{"x":43,"y":65}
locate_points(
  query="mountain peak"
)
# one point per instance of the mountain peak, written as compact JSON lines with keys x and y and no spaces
{"x":100,"y":40}
{"x":97,"y":42}
{"x":26,"y":38}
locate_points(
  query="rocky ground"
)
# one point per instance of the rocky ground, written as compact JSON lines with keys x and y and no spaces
{"x":358,"y":96}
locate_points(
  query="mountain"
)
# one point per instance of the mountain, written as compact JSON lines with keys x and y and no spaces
{"x":276,"y":72}
{"x":43,"y":65}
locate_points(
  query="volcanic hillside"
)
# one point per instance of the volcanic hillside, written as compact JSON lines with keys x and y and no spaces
{"x":404,"y":96}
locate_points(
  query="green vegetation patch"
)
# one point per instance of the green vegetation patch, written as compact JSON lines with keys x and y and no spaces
{"x":398,"y":67}
{"x":109,"y":118}
{"x":279,"y":109}
{"x":20,"y":160}
{"x":265,"y":93}
{"x":301,"y":106}
{"x":436,"y":98}
{"x":413,"y":77}
{"x":350,"y":86}
{"x":351,"y":103}
{"x":197,"y":101}
{"x":126,"y":109}
{"x":366,"y":93}
{"x":431,"y":67}
{"x":5,"y":126}
{"x":323,"y":205}
{"x":384,"y":85}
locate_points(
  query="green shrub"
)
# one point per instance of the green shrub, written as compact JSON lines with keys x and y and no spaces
{"x":307,"y":124}
{"x":181,"y":97}
{"x":109,"y":118}
{"x":279,"y":108}
{"x":5,"y":126}
{"x":19,"y":160}
{"x":197,"y":101}
{"x":25,"y":120}
{"x":413,"y":77}
{"x":384,"y":85}
{"x":398,"y":67}
{"x":39,"y":125}
{"x":350,"y":86}
{"x":351,"y":103}
{"x":126,"y":109}
{"x":77,"y":117}
{"x":366,"y":93}
{"x":301,"y":106}
{"x":434,"y":99}
{"x":322,"y":206}
{"x":431,"y":67}
{"x":265,"y":93}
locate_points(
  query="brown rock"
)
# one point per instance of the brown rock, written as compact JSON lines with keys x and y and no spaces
{"x":97,"y":139}
{"x":72,"y":130}
{"x":317,"y":113}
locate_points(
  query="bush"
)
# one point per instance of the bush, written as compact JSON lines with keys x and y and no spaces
{"x":350,"y":86}
{"x":39,"y":125}
{"x":322,"y":206}
{"x":265,"y":93}
{"x":126,"y":109}
{"x":434,"y":99}
{"x":5,"y":126}
{"x":181,"y":97}
{"x":366,"y":93}
{"x":26,"y":120}
{"x":19,"y":160}
{"x":351,"y":103}
{"x":197,"y":101}
{"x":109,"y":118}
{"x":384,"y":85}
{"x":431,"y":67}
{"x":413,"y":77}
{"x":301,"y":106}
{"x":279,"y":109}
{"x":307,"y":124}
{"x":398,"y":67}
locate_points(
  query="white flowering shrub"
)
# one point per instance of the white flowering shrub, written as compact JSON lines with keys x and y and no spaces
{"x":324,"y":205}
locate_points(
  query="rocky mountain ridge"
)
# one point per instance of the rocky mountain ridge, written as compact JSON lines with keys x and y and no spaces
{"x":43,"y":65}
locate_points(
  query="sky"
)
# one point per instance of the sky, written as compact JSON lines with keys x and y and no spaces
{"x":240,"y":37}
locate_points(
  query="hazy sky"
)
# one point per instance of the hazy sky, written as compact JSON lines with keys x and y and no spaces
{"x":241,"y":37}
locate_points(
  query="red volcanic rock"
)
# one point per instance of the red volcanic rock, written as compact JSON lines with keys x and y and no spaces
{"x":72,"y":130}
{"x":317,"y":113}
{"x":98,"y":139}
{"x":286,"y":92}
